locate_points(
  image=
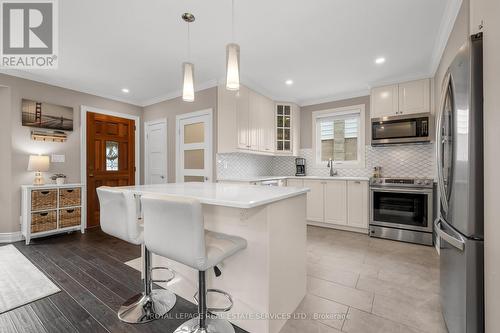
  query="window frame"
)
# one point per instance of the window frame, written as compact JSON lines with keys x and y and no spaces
{"x":336,"y":114}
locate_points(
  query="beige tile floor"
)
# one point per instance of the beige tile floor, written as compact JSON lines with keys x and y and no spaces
{"x":368,"y":285}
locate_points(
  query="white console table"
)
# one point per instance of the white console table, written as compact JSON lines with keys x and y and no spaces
{"x":51,"y":209}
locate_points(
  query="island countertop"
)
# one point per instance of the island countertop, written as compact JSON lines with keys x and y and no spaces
{"x":220,"y":194}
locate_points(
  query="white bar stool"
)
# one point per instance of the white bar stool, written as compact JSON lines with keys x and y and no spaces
{"x":119,"y":218}
{"x":175,"y":230}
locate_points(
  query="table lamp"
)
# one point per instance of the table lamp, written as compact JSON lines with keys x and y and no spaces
{"x":39,"y":164}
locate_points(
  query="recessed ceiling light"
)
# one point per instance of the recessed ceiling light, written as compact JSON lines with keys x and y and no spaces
{"x":380,"y":60}
{"x":125,"y":90}
{"x":289,"y":82}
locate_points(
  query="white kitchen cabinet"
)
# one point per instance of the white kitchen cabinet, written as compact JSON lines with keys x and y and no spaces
{"x":336,"y":202}
{"x":266,"y":124}
{"x":477,"y":11}
{"x":242,"y":117}
{"x":287,"y":122}
{"x":292,"y":182}
{"x":414,"y":97}
{"x":315,"y":200}
{"x":384,"y":101}
{"x":254,"y":120}
{"x":357,"y":203}
{"x":399,"y":99}
{"x":245,"y":122}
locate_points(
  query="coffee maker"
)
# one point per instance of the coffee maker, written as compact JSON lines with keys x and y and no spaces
{"x":300,"y":167}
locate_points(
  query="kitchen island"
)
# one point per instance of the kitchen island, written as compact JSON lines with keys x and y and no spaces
{"x":267,"y":280}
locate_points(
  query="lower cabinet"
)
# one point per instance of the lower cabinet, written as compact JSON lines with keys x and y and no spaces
{"x":342,"y":203}
{"x":336,"y":202}
{"x":315,"y":205}
{"x":357,"y":203}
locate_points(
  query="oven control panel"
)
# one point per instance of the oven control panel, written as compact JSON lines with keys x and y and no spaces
{"x":402,"y":182}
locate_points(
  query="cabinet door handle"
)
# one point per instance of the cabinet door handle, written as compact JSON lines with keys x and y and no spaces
{"x":357,"y":182}
{"x":44,"y":192}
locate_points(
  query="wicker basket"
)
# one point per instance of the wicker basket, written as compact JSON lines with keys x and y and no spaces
{"x":43,"y":199}
{"x":43,"y":221}
{"x":69,"y":217}
{"x":69,"y":197}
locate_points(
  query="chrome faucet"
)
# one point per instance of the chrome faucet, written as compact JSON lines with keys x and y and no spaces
{"x":333,"y":172}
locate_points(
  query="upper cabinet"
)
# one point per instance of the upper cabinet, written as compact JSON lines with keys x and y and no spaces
{"x":400,"y":99}
{"x":248,"y":122}
{"x":384,"y":101}
{"x":287,"y":122}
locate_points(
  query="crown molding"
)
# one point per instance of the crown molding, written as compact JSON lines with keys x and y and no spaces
{"x":445,"y":28}
{"x":33,"y":77}
{"x":334,"y":98}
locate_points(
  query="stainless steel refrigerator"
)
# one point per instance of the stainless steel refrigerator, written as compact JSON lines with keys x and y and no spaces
{"x":459,"y":142}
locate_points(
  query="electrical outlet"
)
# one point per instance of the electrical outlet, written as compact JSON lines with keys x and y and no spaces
{"x":58,"y":158}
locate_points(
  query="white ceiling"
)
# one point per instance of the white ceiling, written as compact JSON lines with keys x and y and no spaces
{"x":327,"y":47}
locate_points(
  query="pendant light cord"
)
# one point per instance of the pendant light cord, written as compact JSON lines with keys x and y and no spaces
{"x":189,"y":43}
{"x":232,"y":20}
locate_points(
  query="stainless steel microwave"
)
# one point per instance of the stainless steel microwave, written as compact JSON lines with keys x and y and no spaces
{"x":404,"y":129}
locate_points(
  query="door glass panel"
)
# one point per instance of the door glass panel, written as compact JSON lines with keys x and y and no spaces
{"x":287,"y":121}
{"x":112,"y":156}
{"x":279,"y":133}
{"x":280,"y":121}
{"x":400,"y":208}
{"x":200,"y":179}
{"x":287,"y":134}
{"x":447,"y":142}
{"x":280,"y":145}
{"x":194,"y":159}
{"x":280,"y":109}
{"x":194,"y":133}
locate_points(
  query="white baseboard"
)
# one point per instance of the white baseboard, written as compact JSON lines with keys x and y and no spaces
{"x":10,"y":237}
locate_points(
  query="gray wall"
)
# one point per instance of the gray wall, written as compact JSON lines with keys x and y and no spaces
{"x":306,"y":117}
{"x":205,"y":99}
{"x":13,"y":173}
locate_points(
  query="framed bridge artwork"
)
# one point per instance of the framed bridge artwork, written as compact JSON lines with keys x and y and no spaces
{"x":46,"y":115}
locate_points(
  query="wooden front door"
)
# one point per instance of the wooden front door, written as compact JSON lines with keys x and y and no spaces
{"x":110,"y":157}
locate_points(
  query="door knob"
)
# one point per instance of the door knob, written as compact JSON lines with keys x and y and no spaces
{"x":162,"y":177}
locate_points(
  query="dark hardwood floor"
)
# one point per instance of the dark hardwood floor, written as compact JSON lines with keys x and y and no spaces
{"x":94,"y":281}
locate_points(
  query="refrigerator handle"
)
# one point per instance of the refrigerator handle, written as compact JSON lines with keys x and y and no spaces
{"x":439,"y":141}
{"x":455,"y":242}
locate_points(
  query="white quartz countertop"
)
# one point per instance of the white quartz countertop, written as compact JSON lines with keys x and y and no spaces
{"x":228,"y":195}
{"x":265,"y":178}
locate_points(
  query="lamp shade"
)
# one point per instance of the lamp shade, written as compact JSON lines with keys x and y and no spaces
{"x":188,"y":82}
{"x":232,"y":66}
{"x":38,"y":163}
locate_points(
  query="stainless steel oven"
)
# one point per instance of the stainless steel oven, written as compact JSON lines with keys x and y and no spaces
{"x":402,"y":209}
{"x":413,"y":128}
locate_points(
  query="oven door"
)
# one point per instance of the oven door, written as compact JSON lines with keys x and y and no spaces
{"x":401,"y":208}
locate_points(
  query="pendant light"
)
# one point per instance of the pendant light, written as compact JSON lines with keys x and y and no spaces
{"x":188,"y":67}
{"x":232,"y":59}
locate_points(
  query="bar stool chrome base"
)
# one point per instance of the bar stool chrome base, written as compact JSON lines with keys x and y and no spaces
{"x":213,"y":325}
{"x":142,"y":308}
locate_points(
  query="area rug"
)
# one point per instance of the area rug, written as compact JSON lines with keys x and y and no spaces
{"x":20,"y":281}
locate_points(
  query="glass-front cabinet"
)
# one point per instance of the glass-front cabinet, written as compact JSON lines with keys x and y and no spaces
{"x":283,"y":128}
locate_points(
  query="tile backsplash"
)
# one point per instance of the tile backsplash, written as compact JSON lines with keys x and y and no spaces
{"x":396,"y":161}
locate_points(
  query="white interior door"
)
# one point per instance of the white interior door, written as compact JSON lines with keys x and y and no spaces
{"x":156,"y":152}
{"x":194,"y":147}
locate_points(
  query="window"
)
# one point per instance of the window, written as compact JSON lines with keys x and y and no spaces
{"x":339,"y":136}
